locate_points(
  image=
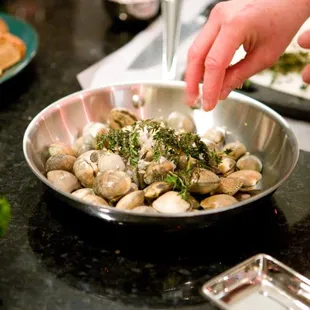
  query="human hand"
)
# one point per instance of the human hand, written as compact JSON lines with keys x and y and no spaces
{"x":264,"y":27}
{"x":304,"y":42}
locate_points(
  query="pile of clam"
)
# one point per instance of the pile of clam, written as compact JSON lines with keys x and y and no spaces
{"x":104,"y":178}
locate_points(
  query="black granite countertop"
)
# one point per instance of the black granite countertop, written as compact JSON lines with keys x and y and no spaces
{"x":53,"y":257}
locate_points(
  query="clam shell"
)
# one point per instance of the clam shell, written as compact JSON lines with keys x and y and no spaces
{"x":229,"y":186}
{"x":131,"y":201}
{"x":214,"y":134}
{"x":110,"y":161}
{"x":227,"y":165}
{"x":203,"y":181}
{"x":121,"y":117}
{"x":156,"y":189}
{"x":94,"y":128}
{"x":237,"y":149}
{"x":60,"y":162}
{"x":95,"y":200}
{"x":249,"y":162}
{"x":112,"y":184}
{"x":250,"y":178}
{"x":157,"y":171}
{"x":85,"y":170}
{"x":59,"y":148}
{"x":171,"y":202}
{"x":84,"y":144}
{"x":242,"y":196}
{"x":218,"y":201}
{"x":63,"y":180}
{"x":212,"y":146}
{"x":80,"y":193}
{"x":181,"y":122}
{"x":144,"y":209}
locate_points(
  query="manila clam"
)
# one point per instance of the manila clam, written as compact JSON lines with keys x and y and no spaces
{"x":144,"y":209}
{"x":151,"y":167}
{"x":156,"y":189}
{"x":110,"y":161}
{"x":181,"y":122}
{"x":249,"y":177}
{"x":229,"y":186}
{"x":120,"y":117}
{"x":63,"y":180}
{"x":112,"y":185}
{"x":94,"y":128}
{"x":84,"y":144}
{"x":171,"y":202}
{"x":157,"y":171}
{"x":215,"y":135}
{"x":249,"y":162}
{"x":60,"y":148}
{"x":203,"y":181}
{"x":131,"y":201}
{"x":236,"y":149}
{"x":60,"y":162}
{"x":218,"y":201}
{"x":85,"y":170}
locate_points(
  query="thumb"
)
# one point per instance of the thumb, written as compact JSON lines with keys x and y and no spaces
{"x":253,"y":63}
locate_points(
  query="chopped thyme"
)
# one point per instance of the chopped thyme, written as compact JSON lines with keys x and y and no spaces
{"x":166,"y":143}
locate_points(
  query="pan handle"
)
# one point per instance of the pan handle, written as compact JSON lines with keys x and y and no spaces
{"x":171,"y":10}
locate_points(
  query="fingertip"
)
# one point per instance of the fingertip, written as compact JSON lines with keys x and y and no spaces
{"x":304,"y":39}
{"x":209,"y":105}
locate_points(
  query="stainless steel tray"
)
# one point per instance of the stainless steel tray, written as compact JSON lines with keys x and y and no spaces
{"x":259,"y":283}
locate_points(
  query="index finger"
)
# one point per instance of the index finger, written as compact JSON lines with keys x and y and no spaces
{"x":196,"y":57}
{"x":216,"y":63}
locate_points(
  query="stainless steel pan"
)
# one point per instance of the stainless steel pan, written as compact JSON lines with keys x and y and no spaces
{"x":264,"y":132}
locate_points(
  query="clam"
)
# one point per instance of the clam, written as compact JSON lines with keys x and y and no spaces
{"x":60,"y":162}
{"x":85,"y":170}
{"x":181,"y":122}
{"x":194,"y":203}
{"x":157,"y":171}
{"x":80,"y":193}
{"x":249,"y":162}
{"x":112,"y":184}
{"x":214,"y":134}
{"x":227,"y":165}
{"x":212,"y":146}
{"x":84,"y":144}
{"x":131,"y":201}
{"x":183,"y":162}
{"x":63,"y":180}
{"x":203,"y":181}
{"x":133,"y":187}
{"x":156,"y":189}
{"x":242,"y":196}
{"x":95,"y":200}
{"x":60,"y":148}
{"x":218,"y":201}
{"x":229,"y":186}
{"x":250,"y":178}
{"x":94,"y":128}
{"x":171,"y":202}
{"x":144,"y":209}
{"x":237,"y":149}
{"x":121,"y":117}
{"x":110,"y":161}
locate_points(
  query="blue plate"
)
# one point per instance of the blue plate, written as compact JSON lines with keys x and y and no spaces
{"x":28,"y":34}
